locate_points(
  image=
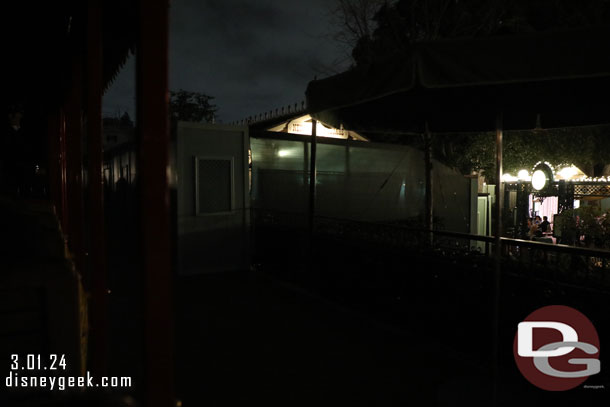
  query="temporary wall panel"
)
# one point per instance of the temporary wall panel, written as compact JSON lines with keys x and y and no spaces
{"x":213,"y":200}
{"x":357,"y":180}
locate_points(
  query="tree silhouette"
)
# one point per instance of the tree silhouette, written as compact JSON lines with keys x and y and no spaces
{"x":394,"y":25}
{"x":191,"y":106}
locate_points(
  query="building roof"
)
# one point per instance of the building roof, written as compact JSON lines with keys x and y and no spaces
{"x":41,"y":39}
{"x":556,"y":79}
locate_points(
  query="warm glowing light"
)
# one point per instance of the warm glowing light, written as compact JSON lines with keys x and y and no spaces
{"x":509,"y":178}
{"x":303,"y":125}
{"x":538,"y":180}
{"x":283,"y":153}
{"x":568,"y":173}
{"x":523,"y":175}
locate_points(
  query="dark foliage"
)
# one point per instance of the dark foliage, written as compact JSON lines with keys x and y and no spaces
{"x":405,"y":22}
{"x":191,"y":106}
{"x":585,"y":147}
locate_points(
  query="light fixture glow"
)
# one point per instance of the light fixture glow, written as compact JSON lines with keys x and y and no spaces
{"x":508,"y":178}
{"x":304,"y":125}
{"x":523,"y":175}
{"x":568,"y":172}
{"x":539,"y":180}
{"x":283,"y":153}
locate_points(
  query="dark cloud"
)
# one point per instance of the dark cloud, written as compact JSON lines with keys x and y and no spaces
{"x":253,"y":56}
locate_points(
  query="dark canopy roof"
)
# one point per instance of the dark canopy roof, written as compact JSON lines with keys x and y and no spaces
{"x":460,"y":85}
{"x":41,"y":39}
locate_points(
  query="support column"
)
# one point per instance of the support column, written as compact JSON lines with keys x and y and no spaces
{"x":346,"y":171}
{"x":499,"y":186}
{"x":312,"y":183}
{"x":498,"y":261}
{"x":429,"y":216}
{"x":306,"y":163}
{"x":152,"y":97}
{"x":566,"y":195}
{"x":97,"y":249}
{"x":522,"y":209}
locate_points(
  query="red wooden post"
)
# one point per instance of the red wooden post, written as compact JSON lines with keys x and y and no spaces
{"x":63,"y":172}
{"x":153,"y":146}
{"x":56,"y":138}
{"x":97,"y":249}
{"x":54,"y":172}
{"x":74,"y":163}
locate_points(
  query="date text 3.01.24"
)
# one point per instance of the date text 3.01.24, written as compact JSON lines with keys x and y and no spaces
{"x":38,"y":362}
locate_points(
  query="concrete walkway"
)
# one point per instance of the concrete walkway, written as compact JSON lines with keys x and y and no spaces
{"x":243,"y":339}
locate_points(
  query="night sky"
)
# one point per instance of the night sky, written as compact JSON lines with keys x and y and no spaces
{"x":252,"y":56}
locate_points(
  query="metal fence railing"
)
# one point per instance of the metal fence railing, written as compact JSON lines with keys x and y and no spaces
{"x":559,"y":264}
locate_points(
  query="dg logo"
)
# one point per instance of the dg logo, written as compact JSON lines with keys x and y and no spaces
{"x":556,"y":348}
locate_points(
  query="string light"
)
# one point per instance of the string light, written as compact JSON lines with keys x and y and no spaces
{"x":524,"y":175}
